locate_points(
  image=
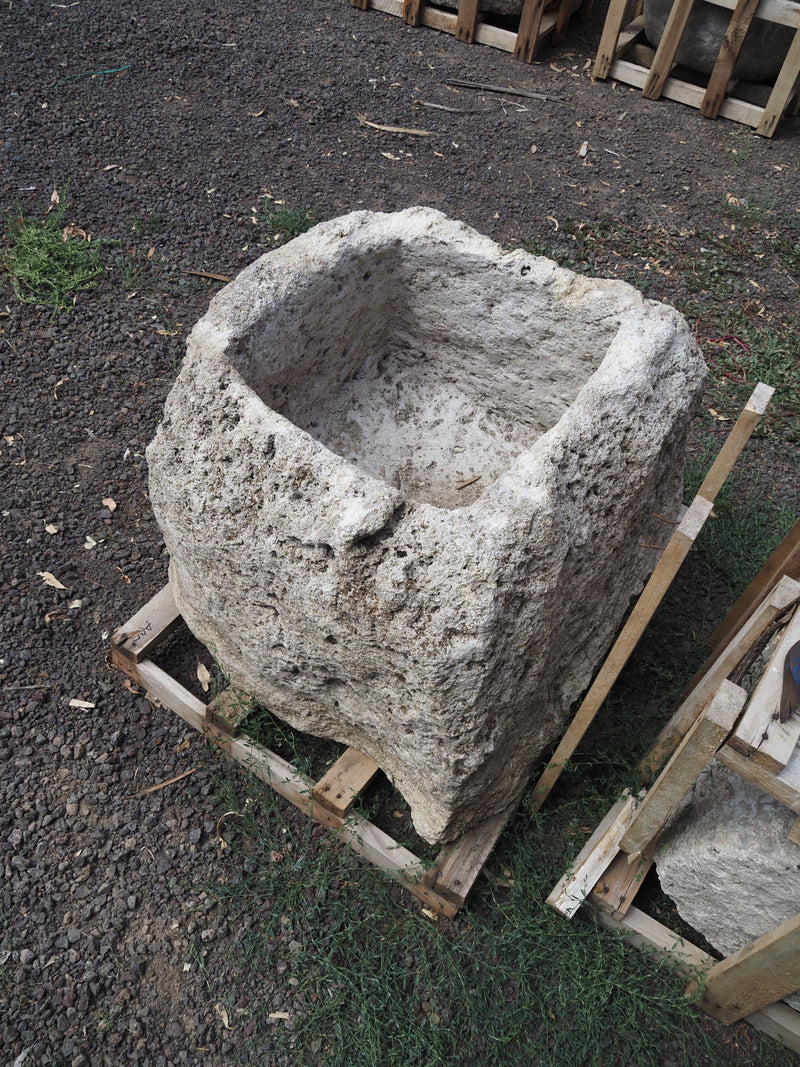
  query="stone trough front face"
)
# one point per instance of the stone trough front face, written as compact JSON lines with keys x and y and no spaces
{"x":409,"y":484}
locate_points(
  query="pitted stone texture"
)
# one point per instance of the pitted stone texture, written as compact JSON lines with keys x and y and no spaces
{"x":762,"y":54}
{"x":727,"y":862}
{"x":307,"y":479}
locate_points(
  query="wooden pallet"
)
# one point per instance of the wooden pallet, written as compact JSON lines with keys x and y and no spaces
{"x":712,"y":722}
{"x":468,"y":24}
{"x":623,"y":54}
{"x":442,"y":887}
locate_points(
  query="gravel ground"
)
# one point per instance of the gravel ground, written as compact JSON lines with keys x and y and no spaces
{"x":169,"y":122}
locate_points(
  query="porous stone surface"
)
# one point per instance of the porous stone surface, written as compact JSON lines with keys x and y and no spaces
{"x":762,"y":54}
{"x":409,"y":483}
{"x":728,"y":864}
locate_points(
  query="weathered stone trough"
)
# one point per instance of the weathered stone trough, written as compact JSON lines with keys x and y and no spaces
{"x":409,"y":483}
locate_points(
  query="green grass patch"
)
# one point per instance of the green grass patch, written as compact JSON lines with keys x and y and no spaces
{"x":282,"y":221}
{"x":48,"y":260}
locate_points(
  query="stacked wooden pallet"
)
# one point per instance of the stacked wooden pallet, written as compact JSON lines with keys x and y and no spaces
{"x":624,"y":55}
{"x":538,"y":19}
{"x":715,"y":720}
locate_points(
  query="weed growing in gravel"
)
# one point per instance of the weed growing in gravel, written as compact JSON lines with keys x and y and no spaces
{"x":48,"y":260}
{"x":283,"y":221}
{"x":151,"y":223}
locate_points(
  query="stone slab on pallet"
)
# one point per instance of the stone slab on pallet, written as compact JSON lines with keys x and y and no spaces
{"x":623,"y":40}
{"x":443,"y":886}
{"x":472,"y":22}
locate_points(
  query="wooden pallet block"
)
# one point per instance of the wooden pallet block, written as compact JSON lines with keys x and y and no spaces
{"x":468,"y":23}
{"x":620,"y":37}
{"x":443,"y":886}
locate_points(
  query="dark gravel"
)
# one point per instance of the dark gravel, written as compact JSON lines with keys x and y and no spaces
{"x":218,"y":104}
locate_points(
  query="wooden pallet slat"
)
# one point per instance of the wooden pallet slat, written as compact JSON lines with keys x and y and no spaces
{"x":721,"y":75}
{"x":616,"y":889}
{"x":148,"y":628}
{"x":784,"y":87}
{"x":763,"y":972}
{"x":457,"y":867}
{"x":467,"y":21}
{"x":593,"y":859}
{"x":783,"y":596}
{"x":667,"y":47}
{"x":339,"y":787}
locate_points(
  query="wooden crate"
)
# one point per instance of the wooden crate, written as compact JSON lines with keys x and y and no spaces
{"x":537,"y":21}
{"x":712,"y":722}
{"x":442,"y":887}
{"x":623,"y":56}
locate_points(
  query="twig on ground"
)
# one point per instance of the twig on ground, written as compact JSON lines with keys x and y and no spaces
{"x":364,"y":121}
{"x":208,"y":274}
{"x":455,"y":110}
{"x":162,"y":785}
{"x":501,"y":89}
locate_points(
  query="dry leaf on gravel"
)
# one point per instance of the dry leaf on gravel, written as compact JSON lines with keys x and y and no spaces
{"x":75,"y":703}
{"x":203,"y":676}
{"x":50,"y":579}
{"x":223,"y":1016}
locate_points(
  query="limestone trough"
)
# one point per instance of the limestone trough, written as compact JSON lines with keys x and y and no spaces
{"x":409,"y":483}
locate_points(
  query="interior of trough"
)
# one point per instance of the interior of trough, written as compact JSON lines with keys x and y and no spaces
{"x":425,"y":367}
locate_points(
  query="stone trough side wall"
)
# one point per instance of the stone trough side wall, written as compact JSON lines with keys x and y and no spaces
{"x":307,"y":471}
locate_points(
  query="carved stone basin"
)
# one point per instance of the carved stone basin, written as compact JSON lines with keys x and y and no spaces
{"x":409,"y":483}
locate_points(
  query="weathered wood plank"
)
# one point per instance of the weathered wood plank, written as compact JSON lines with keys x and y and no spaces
{"x":467,"y":21}
{"x":761,"y":736}
{"x":412,"y":12}
{"x":698,"y":746}
{"x":457,"y":867}
{"x":339,"y":787}
{"x":607,"y":49}
{"x":667,"y":47}
{"x":148,"y":628}
{"x":753,"y":978}
{"x":659,"y":941}
{"x":778,"y":1020}
{"x":685,"y":93}
{"x":572,"y":889}
{"x":783,"y":89}
{"x":616,"y":889}
{"x":785,"y":593}
{"x":732,"y":42}
{"x":528,"y":34}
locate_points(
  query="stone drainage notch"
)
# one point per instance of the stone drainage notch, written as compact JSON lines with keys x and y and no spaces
{"x":409,"y":483}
